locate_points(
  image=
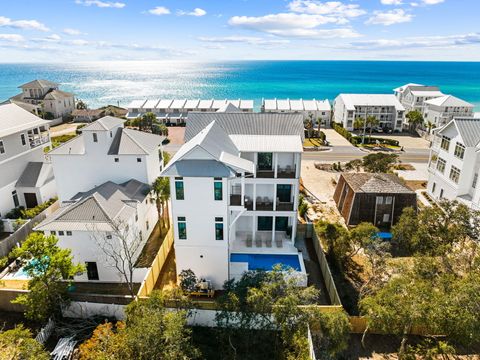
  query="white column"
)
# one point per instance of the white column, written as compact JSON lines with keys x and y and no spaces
{"x":274,"y":197}
{"x":243,"y":190}
{"x":294,"y":229}
{"x":255,"y":160}
{"x":254,"y":227}
{"x":254,"y":197}
{"x":273,"y":228}
{"x":275,"y":164}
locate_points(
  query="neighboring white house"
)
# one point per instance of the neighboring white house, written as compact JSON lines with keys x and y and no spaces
{"x":46,"y":96}
{"x":455,"y":162}
{"x":25,"y":179}
{"x":103,"y":179}
{"x":176,"y":110}
{"x":441,"y":110}
{"x":92,"y":220}
{"x":386,"y":108}
{"x":413,"y":96}
{"x":318,"y":109}
{"x":234,"y":186}
{"x":105,"y":151}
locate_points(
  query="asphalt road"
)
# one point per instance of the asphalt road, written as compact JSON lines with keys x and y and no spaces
{"x":347,"y":153}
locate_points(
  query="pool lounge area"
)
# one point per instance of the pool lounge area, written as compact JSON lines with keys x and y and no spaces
{"x":241,"y":262}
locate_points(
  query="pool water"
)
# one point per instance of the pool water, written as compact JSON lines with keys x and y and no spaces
{"x":384,"y":235}
{"x":266,"y":261}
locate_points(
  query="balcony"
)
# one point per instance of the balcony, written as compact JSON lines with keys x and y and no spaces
{"x":286,"y":172}
{"x":261,"y":240}
{"x":38,"y":140}
{"x":236,"y":200}
{"x":265,"y":174}
{"x":264,"y":203}
{"x":284,"y":206}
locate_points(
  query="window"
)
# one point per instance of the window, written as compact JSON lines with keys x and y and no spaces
{"x":284,"y":193}
{"x":454,"y":174}
{"x":111,"y":134}
{"x":219,"y":228}
{"x":441,"y":165}
{"x":445,"y":144}
{"x":2,"y":147}
{"x":179,"y":190}
{"x":92,"y":271}
{"x":136,"y":217}
{"x":265,"y":223}
{"x":379,"y":200}
{"x":109,"y":236}
{"x":95,"y":138}
{"x":24,"y":140}
{"x":69,"y":233}
{"x":53,"y":233}
{"x":433,"y":188}
{"x":147,"y":224}
{"x":139,"y":159}
{"x":265,"y":161}
{"x":388,"y":200}
{"x":117,"y":159}
{"x":15,"y":198}
{"x":459,"y":150}
{"x":475,"y":179}
{"x":182,"y":228}
{"x":441,"y":193}
{"x":218,"y":189}
{"x":61,"y":233}
{"x":386,"y":217}
{"x":281,"y":223}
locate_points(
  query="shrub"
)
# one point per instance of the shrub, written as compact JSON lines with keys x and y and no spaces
{"x":31,"y":213}
{"x":302,"y":206}
{"x":15,"y":213}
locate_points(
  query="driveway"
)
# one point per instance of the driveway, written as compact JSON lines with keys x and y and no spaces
{"x":335,"y":139}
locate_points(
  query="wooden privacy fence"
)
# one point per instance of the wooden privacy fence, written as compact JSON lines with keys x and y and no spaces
{"x":21,"y":233}
{"x":153,"y":273}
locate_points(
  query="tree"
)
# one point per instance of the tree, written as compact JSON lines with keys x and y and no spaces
{"x":120,"y":246}
{"x":50,"y":269}
{"x":429,"y":125}
{"x":372,"y":121}
{"x":379,"y":162}
{"x":415,"y":118}
{"x":19,"y":344}
{"x":81,"y":105}
{"x":161,"y":189}
{"x":308,"y":122}
{"x":151,"y":331}
{"x":404,"y":232}
{"x":358,"y":123}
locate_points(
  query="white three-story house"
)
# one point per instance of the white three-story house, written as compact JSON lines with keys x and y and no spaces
{"x":234,"y":186}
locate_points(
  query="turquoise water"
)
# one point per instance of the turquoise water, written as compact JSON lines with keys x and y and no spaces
{"x":99,"y":83}
{"x":266,"y":261}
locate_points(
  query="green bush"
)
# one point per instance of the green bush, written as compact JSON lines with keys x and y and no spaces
{"x":31,"y":213}
{"x":15,"y":213}
{"x":373,"y":141}
{"x":302,"y":206}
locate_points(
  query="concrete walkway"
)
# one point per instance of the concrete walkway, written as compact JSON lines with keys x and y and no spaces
{"x":335,"y":139}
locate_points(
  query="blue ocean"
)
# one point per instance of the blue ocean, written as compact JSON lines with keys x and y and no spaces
{"x":119,"y":82}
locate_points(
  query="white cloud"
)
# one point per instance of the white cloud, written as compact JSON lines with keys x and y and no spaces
{"x":159,"y":10}
{"x":77,"y":42}
{"x":336,"y":8}
{"x":12,"y":37}
{"x":252,"y":40}
{"x":73,"y":32}
{"x":293,"y":25}
{"x":450,"y":41}
{"x":196,"y":12}
{"x":22,"y":24}
{"x":426,"y":2}
{"x":391,"y":17}
{"x":391,"y":2}
{"x":50,"y":38}
{"x":101,"y":4}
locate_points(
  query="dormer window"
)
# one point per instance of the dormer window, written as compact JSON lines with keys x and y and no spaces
{"x":2,"y":147}
{"x":95,"y":137}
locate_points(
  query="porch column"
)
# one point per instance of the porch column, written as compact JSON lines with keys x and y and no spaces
{"x":274,"y":197}
{"x":294,"y":229}
{"x":273,"y":228}
{"x":254,"y":196}
{"x":275,"y":164}
{"x":255,"y":161}
{"x":243,"y":190}
{"x":254,"y":227}
{"x":298,"y":164}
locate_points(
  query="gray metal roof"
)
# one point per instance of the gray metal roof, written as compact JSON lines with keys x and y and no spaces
{"x":133,"y":142}
{"x":57,"y":95}
{"x":376,"y":183}
{"x":97,"y":208}
{"x":39,"y":83}
{"x":469,"y":130}
{"x":198,"y":168}
{"x":104,"y":124}
{"x":36,"y":174}
{"x":246,"y":123}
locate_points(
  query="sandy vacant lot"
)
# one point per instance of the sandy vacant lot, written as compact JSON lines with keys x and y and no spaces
{"x":408,"y":141}
{"x":175,"y":134}
{"x":335,"y":139}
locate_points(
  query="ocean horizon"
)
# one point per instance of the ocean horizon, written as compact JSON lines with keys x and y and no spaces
{"x":118,"y":82}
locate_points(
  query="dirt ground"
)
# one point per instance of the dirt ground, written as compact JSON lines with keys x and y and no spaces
{"x":335,"y":139}
{"x":175,"y":134}
{"x":63,"y":129}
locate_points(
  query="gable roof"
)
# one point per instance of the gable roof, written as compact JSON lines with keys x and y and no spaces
{"x":57,"y":95}
{"x":14,"y":119}
{"x":448,"y":100}
{"x":35,"y":174}
{"x":134,"y":142}
{"x":228,"y":108}
{"x":246,"y":123}
{"x":215,"y":142}
{"x":376,"y":183}
{"x":406,"y":86}
{"x":39,"y":83}
{"x":104,"y":124}
{"x":468,"y":128}
{"x":96,"y":209}
{"x":352,"y":100}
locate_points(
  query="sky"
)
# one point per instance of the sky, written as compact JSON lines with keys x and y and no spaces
{"x":217,"y":30}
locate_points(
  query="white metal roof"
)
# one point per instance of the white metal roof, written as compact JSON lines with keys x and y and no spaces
{"x":235,"y":103}
{"x":178,"y":104}
{"x":324,"y":105}
{"x":14,"y":119}
{"x":270,"y":104}
{"x":296,"y":105}
{"x":164,"y":104}
{"x":268,"y":143}
{"x":405,"y":87}
{"x":448,"y":100}
{"x":427,"y":93}
{"x":283,"y":104}
{"x":191,"y":104}
{"x":205,"y":104}
{"x":150,"y":104}
{"x":246,"y":104}
{"x":217,"y":104}
{"x":135,"y":104}
{"x":352,"y":100}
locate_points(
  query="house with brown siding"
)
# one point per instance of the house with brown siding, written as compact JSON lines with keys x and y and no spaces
{"x":376,"y":198}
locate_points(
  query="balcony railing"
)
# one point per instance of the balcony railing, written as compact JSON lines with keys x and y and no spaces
{"x":236,"y":200}
{"x":261,"y":239}
{"x":268,"y":174}
{"x":263,"y":204}
{"x":39,"y":141}
{"x":284,"y":206}
{"x":286,"y":173}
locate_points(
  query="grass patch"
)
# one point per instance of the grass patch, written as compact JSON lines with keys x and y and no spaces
{"x":381,"y":146}
{"x":59,"y":140}
{"x":312,"y":142}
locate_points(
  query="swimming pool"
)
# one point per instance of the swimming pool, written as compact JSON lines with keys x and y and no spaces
{"x":267,"y":261}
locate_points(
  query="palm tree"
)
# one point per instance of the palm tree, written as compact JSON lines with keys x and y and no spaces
{"x":161,"y":189}
{"x":429,"y":126}
{"x":415,"y":118}
{"x":372,"y":121}
{"x":308,"y":122}
{"x":358,"y":123}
